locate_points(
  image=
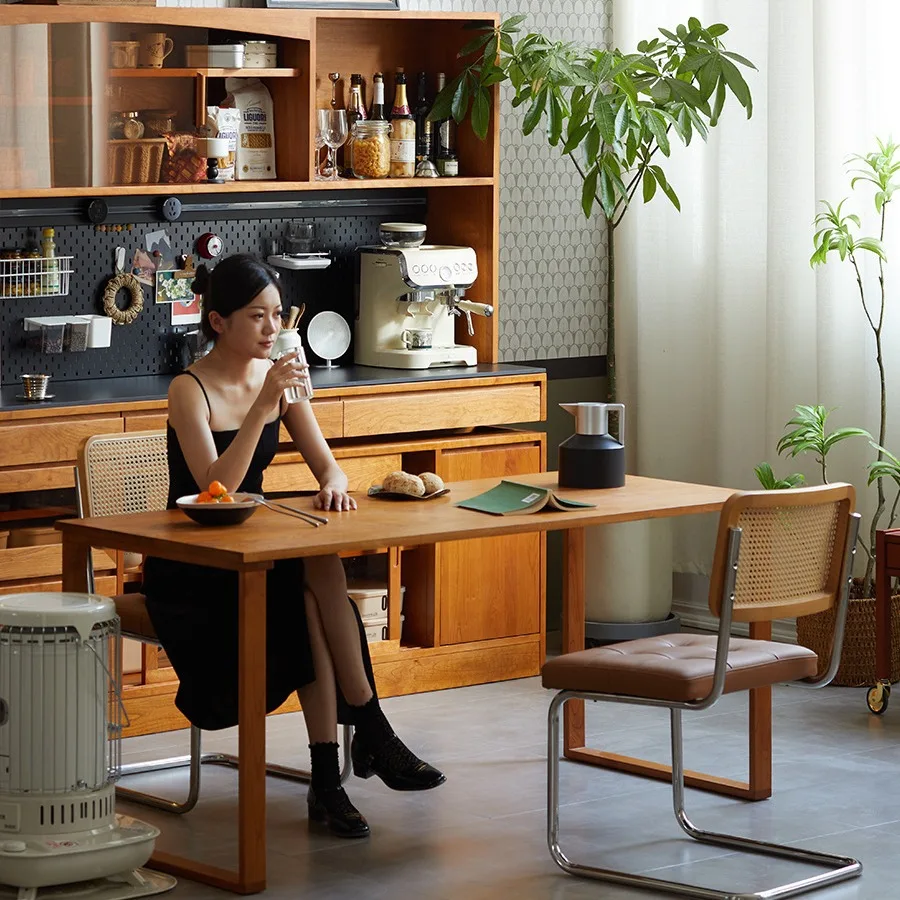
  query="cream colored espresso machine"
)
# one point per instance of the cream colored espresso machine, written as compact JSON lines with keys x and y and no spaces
{"x":409,"y":301}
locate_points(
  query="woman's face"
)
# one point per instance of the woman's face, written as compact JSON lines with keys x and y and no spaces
{"x":252,"y":329}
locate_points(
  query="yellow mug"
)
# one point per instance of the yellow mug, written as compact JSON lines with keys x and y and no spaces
{"x":155,"y":47}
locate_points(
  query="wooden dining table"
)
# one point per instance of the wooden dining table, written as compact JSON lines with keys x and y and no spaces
{"x":252,"y":547}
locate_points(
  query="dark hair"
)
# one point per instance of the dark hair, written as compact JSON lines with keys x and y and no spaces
{"x":231,"y":285}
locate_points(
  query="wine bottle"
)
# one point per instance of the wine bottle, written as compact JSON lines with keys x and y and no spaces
{"x":445,"y":132}
{"x":403,"y":132}
{"x":424,"y":130}
{"x":377,"y":111}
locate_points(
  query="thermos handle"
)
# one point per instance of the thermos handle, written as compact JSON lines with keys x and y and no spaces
{"x":620,"y":407}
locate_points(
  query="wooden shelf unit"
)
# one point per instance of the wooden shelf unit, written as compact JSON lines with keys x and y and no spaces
{"x":209,"y":73}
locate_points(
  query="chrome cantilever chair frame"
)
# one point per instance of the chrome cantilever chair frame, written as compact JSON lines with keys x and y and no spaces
{"x":196,"y":758}
{"x":840,"y":868}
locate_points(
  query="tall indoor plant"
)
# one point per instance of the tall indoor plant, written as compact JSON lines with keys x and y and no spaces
{"x":614,"y":114}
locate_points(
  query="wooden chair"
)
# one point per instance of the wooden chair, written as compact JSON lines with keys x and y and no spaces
{"x":128,"y":473}
{"x":778,"y":554}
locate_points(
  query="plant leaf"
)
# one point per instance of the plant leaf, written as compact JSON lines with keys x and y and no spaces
{"x":648,"y":185}
{"x":481,"y":112}
{"x":589,"y":190}
{"x":535,"y":111}
{"x":461,"y":98}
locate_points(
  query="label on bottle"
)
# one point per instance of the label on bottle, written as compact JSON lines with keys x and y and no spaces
{"x":403,"y":150}
{"x":450,"y":166}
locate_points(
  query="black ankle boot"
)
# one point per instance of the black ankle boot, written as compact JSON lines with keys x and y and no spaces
{"x":333,"y":807}
{"x":394,"y":763}
{"x":326,"y":800}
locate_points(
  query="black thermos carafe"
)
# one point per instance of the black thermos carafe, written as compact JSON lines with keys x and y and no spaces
{"x":592,"y":457}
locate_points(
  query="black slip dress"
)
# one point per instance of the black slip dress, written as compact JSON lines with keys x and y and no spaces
{"x":194,"y":610}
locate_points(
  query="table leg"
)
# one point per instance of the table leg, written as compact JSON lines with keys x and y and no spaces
{"x":250,"y":877}
{"x":76,"y":557}
{"x":573,"y":628}
{"x":882,"y":611}
{"x":759,"y":785}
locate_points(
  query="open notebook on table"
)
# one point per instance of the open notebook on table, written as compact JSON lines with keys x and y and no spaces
{"x":510,"y":498}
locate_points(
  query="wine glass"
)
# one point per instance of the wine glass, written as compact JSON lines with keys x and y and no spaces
{"x":318,"y":163}
{"x":333,"y":125}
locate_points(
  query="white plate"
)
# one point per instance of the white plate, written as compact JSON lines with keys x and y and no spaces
{"x":328,"y":335}
{"x":240,"y":500}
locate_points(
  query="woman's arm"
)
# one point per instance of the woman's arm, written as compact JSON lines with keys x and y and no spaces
{"x":189,"y":416}
{"x":304,"y":430}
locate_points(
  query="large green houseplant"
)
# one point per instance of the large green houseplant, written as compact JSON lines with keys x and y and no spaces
{"x":614,"y":114}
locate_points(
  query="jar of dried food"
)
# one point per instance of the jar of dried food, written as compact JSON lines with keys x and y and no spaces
{"x":116,"y":126}
{"x":370,"y":148}
{"x":159,"y":122}
{"x":133,"y":127}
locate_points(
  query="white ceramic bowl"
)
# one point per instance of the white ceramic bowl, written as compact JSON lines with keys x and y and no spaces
{"x":240,"y":510}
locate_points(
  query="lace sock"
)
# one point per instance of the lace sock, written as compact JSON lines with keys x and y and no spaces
{"x":372,"y":724}
{"x":324,"y":766}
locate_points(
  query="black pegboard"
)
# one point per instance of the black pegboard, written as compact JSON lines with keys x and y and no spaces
{"x":147,"y":347}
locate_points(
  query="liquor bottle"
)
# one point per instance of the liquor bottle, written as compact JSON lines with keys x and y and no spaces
{"x":423,"y":123}
{"x":377,"y":111}
{"x":356,"y":111}
{"x":446,"y":160}
{"x":403,"y":132}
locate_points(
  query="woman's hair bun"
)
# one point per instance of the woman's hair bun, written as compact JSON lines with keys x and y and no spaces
{"x":200,"y":284}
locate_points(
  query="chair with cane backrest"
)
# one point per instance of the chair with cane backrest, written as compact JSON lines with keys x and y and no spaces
{"x":778,"y":554}
{"x":128,"y":473}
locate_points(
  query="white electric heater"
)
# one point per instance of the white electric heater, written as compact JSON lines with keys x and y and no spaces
{"x":60,"y":754}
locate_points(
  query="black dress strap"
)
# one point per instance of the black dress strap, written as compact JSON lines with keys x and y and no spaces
{"x":206,"y":396}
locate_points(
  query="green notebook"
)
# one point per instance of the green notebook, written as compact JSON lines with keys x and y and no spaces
{"x":510,"y":498}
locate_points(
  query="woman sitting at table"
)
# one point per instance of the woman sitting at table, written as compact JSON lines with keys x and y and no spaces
{"x":224,"y":417}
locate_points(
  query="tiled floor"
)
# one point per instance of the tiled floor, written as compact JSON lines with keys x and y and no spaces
{"x":481,"y":835}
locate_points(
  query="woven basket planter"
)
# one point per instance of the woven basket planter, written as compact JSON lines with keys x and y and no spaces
{"x":857,"y":667}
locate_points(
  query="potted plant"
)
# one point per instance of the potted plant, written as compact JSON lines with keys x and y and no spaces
{"x":840,"y":232}
{"x":615,"y":115}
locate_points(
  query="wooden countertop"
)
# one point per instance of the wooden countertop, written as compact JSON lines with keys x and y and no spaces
{"x":147,"y":392}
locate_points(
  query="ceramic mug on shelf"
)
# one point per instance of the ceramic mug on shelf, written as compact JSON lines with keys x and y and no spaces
{"x":154,"y":48}
{"x":417,"y":338}
{"x":123,"y":54}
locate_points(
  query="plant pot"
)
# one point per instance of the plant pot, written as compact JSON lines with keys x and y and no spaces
{"x":857,"y":668}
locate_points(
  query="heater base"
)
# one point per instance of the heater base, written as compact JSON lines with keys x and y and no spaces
{"x":138,"y":883}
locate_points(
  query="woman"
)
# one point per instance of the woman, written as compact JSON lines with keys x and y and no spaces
{"x":224,"y":416}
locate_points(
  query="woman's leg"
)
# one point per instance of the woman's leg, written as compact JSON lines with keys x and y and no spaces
{"x":326,"y":579}
{"x":376,"y":750}
{"x":326,"y":800}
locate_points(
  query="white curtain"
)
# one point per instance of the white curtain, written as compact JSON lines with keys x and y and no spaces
{"x":722,"y":325}
{"x":24,"y":123}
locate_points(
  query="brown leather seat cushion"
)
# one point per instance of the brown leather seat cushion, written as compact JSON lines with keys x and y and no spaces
{"x":132,"y":610}
{"x":676,"y":667}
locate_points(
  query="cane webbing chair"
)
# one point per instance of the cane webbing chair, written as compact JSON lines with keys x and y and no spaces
{"x":778,"y":554}
{"x":128,"y":473}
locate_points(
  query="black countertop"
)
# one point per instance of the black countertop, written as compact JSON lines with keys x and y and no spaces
{"x":155,"y":387}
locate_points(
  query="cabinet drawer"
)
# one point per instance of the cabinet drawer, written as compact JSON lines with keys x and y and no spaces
{"x":432,"y":410}
{"x":329,"y":415}
{"x":42,"y":561}
{"x":50,"y":442}
{"x":105,"y":587}
{"x":148,"y":421}
{"x":17,"y":480}
{"x":362,"y":472}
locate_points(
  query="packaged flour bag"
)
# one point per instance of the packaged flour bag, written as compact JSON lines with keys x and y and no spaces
{"x":255,"y":151}
{"x":223,"y":122}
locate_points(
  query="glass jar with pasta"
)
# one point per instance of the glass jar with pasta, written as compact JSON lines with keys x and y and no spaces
{"x":370,"y":149}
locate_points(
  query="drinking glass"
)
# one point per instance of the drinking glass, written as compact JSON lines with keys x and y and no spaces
{"x":319,"y":164}
{"x":333,"y":125}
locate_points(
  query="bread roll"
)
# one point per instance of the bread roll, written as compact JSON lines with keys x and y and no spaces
{"x":403,"y":483}
{"x":433,"y":483}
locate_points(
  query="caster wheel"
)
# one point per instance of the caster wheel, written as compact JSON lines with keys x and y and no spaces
{"x":877,"y":698}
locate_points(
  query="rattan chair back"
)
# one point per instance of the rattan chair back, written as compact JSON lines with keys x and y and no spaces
{"x":791,"y":554}
{"x":123,"y":473}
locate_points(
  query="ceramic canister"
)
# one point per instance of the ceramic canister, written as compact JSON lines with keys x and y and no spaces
{"x":260,"y":55}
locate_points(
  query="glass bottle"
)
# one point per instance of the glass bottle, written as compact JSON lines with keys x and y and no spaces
{"x":446,"y":139}
{"x":356,"y":112}
{"x":50,"y":278}
{"x":403,"y":132}
{"x":423,"y":123}
{"x":377,"y":111}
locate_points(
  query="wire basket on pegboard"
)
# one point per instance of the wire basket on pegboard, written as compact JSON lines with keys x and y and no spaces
{"x":857,"y":668}
{"x":34,"y":276}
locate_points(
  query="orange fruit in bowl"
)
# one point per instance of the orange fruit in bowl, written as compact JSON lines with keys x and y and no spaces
{"x":227,"y":498}
{"x":205,"y":497}
{"x":217,"y":490}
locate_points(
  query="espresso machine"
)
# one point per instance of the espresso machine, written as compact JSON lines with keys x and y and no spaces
{"x":409,"y":301}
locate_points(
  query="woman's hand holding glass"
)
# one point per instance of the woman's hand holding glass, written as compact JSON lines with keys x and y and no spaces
{"x":287,"y":372}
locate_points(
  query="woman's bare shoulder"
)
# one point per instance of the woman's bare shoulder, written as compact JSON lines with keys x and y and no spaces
{"x":186,"y":395}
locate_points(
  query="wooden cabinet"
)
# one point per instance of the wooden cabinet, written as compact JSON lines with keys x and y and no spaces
{"x":491,"y":587}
